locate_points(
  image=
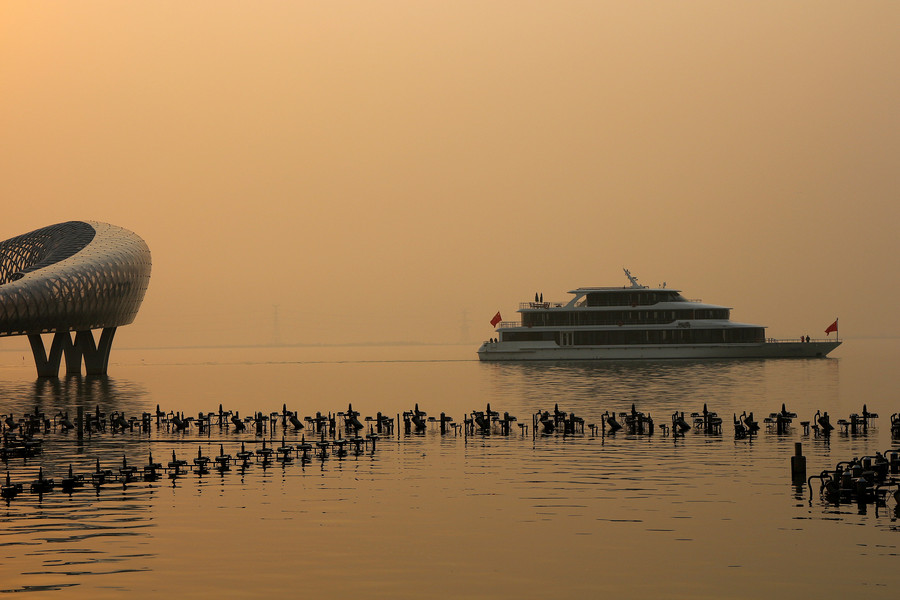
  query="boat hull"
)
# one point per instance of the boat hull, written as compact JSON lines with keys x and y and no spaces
{"x":521,"y":351}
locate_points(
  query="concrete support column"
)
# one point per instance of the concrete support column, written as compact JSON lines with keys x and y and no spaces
{"x":95,"y":355}
{"x":73,"y":356}
{"x":48,"y":364}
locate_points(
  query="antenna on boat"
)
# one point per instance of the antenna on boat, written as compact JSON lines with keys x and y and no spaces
{"x":633,"y":280}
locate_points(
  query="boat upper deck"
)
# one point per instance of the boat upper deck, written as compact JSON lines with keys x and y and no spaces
{"x":620,"y":298}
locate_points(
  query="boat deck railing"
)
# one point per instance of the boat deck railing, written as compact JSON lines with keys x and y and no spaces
{"x":796,"y":340}
{"x":545,"y":305}
{"x":541,"y":305}
{"x":510,"y":323}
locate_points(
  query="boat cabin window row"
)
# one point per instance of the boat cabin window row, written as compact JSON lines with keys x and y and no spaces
{"x":618,"y":317}
{"x":622,"y":337}
{"x":630,"y":298}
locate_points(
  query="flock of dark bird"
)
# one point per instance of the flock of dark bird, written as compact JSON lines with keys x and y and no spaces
{"x":862,"y":479}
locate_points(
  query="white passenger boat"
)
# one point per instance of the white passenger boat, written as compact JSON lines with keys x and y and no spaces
{"x":637,"y":322}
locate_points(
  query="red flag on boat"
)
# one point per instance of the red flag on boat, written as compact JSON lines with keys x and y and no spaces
{"x":832,"y":327}
{"x":496,"y":319}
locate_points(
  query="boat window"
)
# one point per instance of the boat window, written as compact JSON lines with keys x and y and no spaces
{"x":617,"y":337}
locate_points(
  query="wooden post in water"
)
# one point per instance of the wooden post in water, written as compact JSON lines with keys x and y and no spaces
{"x":798,"y":464}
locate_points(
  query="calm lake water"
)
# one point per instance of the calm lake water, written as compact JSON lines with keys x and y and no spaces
{"x":451,"y":516}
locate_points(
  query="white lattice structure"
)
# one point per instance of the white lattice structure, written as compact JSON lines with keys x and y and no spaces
{"x":72,"y":277}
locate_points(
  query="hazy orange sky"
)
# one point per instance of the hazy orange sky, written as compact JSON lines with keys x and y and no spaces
{"x":381,"y":171}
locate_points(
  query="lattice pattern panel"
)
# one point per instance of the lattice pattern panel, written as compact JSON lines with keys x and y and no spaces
{"x":72,"y":276}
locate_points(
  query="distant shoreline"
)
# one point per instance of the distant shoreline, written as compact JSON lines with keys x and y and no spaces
{"x":321,"y":345}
